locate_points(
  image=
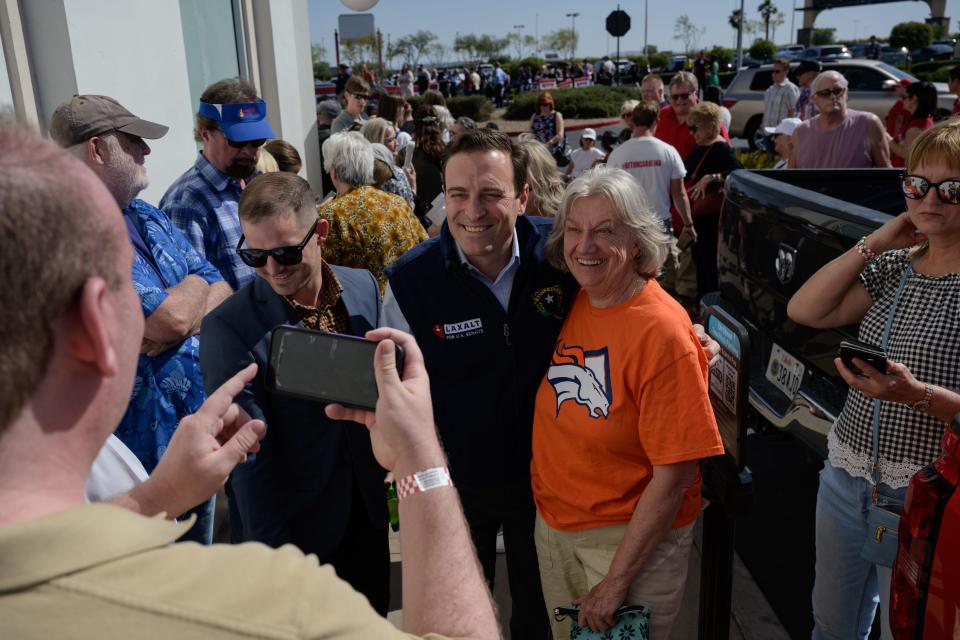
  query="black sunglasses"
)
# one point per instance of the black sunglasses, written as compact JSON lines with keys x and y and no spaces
{"x":916,"y":188}
{"x":693,"y":129}
{"x":286,"y":256}
{"x":361,"y":96}
{"x":679,"y":96}
{"x":259,"y":142}
{"x":826,"y":93}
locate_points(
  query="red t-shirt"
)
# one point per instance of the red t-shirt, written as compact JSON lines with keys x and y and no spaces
{"x":897,"y":115}
{"x":920,"y":123}
{"x":626,"y":390}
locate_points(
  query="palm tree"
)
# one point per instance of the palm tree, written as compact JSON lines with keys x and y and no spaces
{"x":767,"y":11}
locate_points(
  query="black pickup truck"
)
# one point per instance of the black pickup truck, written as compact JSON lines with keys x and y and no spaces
{"x":777,"y":229}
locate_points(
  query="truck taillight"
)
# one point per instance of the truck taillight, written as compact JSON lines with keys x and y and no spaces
{"x":929,"y":491}
{"x":729,"y":102}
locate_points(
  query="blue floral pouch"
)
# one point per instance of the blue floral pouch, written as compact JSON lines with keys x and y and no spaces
{"x":632,"y":624}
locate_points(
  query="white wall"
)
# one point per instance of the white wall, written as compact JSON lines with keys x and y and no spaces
{"x":131,"y":50}
{"x":6,"y":95}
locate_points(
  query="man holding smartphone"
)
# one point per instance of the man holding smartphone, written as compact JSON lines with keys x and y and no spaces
{"x":89,"y":570}
{"x":315,"y":482}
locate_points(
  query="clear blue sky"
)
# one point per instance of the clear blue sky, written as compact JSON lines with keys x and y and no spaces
{"x":496,"y":17}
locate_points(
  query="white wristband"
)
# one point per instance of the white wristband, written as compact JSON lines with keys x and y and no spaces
{"x":423,"y":481}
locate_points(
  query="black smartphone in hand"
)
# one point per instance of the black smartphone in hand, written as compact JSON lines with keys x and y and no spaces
{"x":874,"y":356}
{"x":327,"y":367}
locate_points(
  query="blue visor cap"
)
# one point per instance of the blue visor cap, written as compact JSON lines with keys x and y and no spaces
{"x":240,"y":121}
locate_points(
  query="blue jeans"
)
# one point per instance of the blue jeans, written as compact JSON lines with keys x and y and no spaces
{"x":847,"y":588}
{"x":202,"y":529}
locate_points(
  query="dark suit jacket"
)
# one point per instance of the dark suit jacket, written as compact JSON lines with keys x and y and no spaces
{"x":298,"y":489}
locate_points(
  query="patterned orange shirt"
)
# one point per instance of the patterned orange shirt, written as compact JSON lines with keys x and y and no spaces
{"x":369,"y":229}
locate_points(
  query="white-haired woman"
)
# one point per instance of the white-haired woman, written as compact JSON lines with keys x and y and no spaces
{"x":622,"y":416}
{"x":369,"y":229}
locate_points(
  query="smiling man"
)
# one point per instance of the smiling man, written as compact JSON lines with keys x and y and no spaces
{"x":231,"y":125}
{"x":315,"y":482}
{"x":486,"y":308}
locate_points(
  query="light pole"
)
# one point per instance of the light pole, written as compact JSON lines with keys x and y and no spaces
{"x":573,"y":25}
{"x":519,"y":28}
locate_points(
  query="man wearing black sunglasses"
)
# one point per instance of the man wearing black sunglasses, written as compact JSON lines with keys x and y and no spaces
{"x":231,"y":124}
{"x":315,"y":482}
{"x":838,"y":138}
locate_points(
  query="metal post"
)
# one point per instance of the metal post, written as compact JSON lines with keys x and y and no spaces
{"x":793,"y":20}
{"x":380,"y":53}
{"x":573,"y":28}
{"x":740,"y":40}
{"x":336,"y":47}
{"x":646,"y":6}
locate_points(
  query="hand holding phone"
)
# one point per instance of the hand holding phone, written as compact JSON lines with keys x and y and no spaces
{"x":327,"y":367}
{"x":873,"y":356}
{"x":408,"y":154}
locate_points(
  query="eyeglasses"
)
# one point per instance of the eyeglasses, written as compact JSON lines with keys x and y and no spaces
{"x":826,"y":93}
{"x":693,"y":128}
{"x":361,"y":96}
{"x":286,"y":256}
{"x":779,"y":71}
{"x":916,"y":188}
{"x":259,"y":142}
{"x":626,"y":115}
{"x":679,"y":96}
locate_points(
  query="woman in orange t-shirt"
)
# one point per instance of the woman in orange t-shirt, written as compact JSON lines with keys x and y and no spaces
{"x":622,"y":417}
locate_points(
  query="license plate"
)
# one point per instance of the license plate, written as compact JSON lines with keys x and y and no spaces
{"x":784,"y":371}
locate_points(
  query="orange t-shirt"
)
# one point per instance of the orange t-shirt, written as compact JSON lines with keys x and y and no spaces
{"x":626,"y":390}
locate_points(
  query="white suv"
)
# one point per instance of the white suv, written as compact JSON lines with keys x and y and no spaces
{"x":871,"y":89}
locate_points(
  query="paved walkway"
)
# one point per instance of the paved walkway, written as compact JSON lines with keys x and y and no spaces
{"x":751,"y":617}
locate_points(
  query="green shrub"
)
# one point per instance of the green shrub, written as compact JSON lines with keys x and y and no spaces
{"x":763,"y":50}
{"x":912,"y":35}
{"x":585,"y":102}
{"x":659,"y":60}
{"x":530,"y":61}
{"x":476,"y":107}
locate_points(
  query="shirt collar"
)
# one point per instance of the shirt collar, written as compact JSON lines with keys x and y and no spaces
{"x":514,"y":255}
{"x":330,"y":291}
{"x":60,"y":543}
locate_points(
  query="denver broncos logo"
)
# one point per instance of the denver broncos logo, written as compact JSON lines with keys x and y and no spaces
{"x":581,"y":376}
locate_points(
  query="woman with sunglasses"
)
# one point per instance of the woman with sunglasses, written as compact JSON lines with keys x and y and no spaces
{"x":547,"y":123}
{"x":708,"y":165}
{"x":920,"y":103}
{"x":910,"y":265}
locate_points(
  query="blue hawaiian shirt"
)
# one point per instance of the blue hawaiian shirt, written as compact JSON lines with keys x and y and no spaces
{"x":203,"y":204}
{"x":169,"y":386}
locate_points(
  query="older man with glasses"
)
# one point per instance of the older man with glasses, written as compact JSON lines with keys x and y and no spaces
{"x":315,"y":483}
{"x":356,"y":95}
{"x":231,"y":124}
{"x":838,"y":138}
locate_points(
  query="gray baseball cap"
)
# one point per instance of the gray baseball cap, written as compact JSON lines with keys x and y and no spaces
{"x":329,"y":108}
{"x":82,"y":117}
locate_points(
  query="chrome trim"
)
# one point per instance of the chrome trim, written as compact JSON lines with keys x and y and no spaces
{"x":804,"y":412}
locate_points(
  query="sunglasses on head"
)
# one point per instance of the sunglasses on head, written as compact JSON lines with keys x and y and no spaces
{"x":286,"y":256}
{"x":679,"y":96}
{"x":826,"y":93}
{"x":916,"y":188}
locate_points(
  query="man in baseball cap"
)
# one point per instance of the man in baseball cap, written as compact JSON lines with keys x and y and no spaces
{"x":807,"y":70}
{"x":782,"y":139}
{"x":231,"y":124}
{"x":176,"y":288}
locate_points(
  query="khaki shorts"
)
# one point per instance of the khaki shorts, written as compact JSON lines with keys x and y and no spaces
{"x":573,"y":562}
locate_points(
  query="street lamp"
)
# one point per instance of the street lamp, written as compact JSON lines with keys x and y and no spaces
{"x":519,"y":30}
{"x":573,"y":24}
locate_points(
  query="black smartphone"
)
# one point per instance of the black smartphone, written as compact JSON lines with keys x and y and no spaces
{"x":328,"y":367}
{"x":873,"y":356}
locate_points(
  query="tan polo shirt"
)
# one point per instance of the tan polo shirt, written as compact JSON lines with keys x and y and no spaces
{"x":99,"y":571}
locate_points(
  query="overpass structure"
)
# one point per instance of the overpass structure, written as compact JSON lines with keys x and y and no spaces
{"x":813,"y":8}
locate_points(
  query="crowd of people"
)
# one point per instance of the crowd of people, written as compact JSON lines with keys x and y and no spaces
{"x":551,"y":374}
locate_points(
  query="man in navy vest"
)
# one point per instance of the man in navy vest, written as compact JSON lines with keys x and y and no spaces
{"x":315,"y":482}
{"x":486,"y":309}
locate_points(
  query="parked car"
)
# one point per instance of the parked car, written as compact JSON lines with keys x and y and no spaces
{"x":932,"y":52}
{"x":677,"y":63}
{"x":789,"y":52}
{"x":894,"y":55}
{"x":825,"y":53}
{"x":871,"y":89}
{"x":925,"y":587}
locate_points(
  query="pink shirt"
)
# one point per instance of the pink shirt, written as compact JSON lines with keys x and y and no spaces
{"x":842,"y":148}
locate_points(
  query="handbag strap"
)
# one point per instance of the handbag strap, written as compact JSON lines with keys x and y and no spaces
{"x":696,"y":170}
{"x":875,"y":468}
